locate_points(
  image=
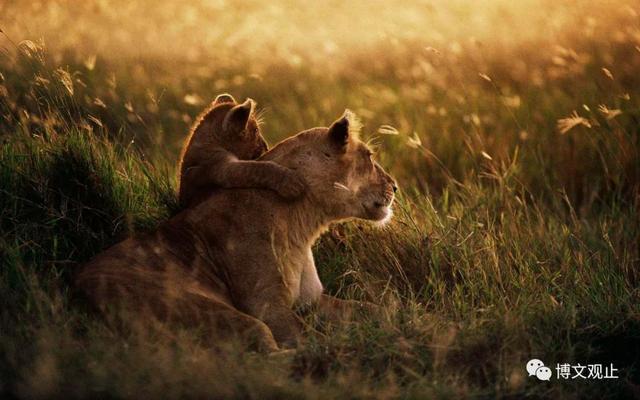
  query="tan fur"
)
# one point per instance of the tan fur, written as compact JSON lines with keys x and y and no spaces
{"x":240,"y":261}
{"x":219,"y":152}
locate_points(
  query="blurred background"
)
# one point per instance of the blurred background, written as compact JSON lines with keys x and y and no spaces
{"x":437,"y":82}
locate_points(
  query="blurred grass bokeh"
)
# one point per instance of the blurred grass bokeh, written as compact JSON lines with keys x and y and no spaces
{"x":512,"y":128}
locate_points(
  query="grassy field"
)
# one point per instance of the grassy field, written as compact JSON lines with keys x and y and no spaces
{"x":512,"y":128}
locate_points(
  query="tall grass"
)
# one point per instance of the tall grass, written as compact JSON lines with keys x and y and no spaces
{"x":516,"y":234}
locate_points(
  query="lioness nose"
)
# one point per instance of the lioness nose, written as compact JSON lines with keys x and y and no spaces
{"x":394,"y":184}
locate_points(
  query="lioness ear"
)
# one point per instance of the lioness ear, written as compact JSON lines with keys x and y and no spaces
{"x":237,"y":118}
{"x":339,"y":131}
{"x":224,"y":98}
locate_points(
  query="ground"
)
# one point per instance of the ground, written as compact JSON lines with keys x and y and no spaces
{"x":512,"y":130}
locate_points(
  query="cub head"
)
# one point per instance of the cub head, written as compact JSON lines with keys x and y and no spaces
{"x":235,"y":127}
{"x":343,"y":178}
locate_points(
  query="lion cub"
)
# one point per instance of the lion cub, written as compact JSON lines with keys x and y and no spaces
{"x":220,"y":150}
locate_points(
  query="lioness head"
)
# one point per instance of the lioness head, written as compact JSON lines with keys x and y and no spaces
{"x":342,"y":176}
{"x":235,"y":127}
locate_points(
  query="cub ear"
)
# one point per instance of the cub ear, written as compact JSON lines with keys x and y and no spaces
{"x":237,"y":118}
{"x":224,"y":98}
{"x":339,"y":131}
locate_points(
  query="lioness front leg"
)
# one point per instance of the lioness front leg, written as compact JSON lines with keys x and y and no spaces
{"x":275,"y":312}
{"x":221,"y":321}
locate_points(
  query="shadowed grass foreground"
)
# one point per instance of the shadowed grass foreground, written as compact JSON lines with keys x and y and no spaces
{"x":516,"y":234}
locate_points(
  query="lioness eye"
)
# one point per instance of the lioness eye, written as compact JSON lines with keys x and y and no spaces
{"x":327,"y":155}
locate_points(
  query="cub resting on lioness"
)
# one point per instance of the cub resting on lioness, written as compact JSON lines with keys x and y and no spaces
{"x":241,"y":260}
{"x":220,"y":150}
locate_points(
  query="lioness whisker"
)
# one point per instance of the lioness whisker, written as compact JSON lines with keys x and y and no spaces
{"x":339,"y":185}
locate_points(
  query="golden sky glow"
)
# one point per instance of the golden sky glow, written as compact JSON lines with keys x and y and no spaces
{"x":296,"y":30}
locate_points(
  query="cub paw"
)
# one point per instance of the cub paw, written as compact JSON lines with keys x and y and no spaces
{"x":292,"y":185}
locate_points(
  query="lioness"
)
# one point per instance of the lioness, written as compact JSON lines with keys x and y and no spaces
{"x":239,"y":261}
{"x":219,"y":152}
